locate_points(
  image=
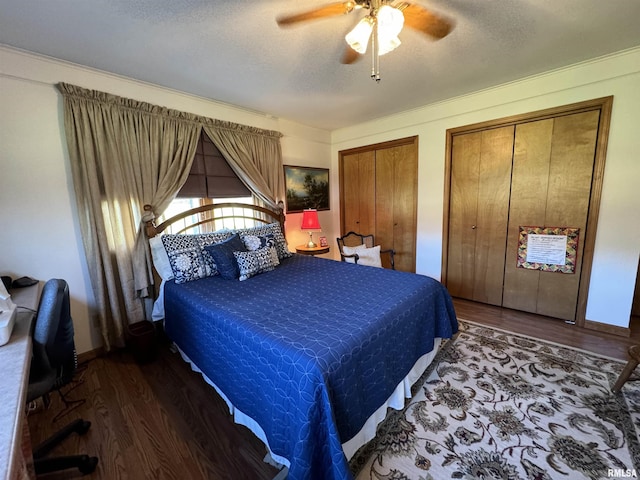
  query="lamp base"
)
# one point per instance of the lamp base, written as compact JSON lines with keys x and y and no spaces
{"x":311,"y":244}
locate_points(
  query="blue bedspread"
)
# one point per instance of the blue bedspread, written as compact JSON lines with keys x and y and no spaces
{"x":311,"y":349}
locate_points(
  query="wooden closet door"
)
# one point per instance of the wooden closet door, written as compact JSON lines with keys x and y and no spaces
{"x":552,"y":175}
{"x":358,"y":192}
{"x":396,"y":193}
{"x":478,"y":215}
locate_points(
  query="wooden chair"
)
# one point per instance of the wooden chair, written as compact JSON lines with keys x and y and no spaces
{"x":634,"y":353}
{"x":353,"y":239}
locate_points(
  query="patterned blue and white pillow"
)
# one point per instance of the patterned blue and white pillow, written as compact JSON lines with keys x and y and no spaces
{"x":185,"y":257}
{"x":270,"y":229}
{"x":254,"y":242}
{"x":252,"y":263}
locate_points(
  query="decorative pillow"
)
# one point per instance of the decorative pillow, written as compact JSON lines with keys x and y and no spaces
{"x":211,"y":238}
{"x":258,"y":261}
{"x":351,"y":250}
{"x":223,"y":256}
{"x":185,"y":257}
{"x":160,"y":258}
{"x":366,"y":256}
{"x":270,"y":229}
{"x":254,"y":242}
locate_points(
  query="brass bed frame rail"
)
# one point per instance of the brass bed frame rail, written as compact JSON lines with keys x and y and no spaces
{"x":212,"y":213}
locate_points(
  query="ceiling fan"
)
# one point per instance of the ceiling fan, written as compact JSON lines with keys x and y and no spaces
{"x":379,"y":28}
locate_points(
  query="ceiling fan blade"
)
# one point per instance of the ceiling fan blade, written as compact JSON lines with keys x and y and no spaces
{"x":350,"y":56}
{"x":329,"y":10}
{"x":424,"y":21}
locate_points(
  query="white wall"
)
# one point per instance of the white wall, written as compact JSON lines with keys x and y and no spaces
{"x":39,"y":231}
{"x":618,"y":237}
{"x":303,"y":147}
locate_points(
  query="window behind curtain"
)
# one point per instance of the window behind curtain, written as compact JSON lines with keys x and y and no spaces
{"x":211,"y":176}
{"x":211,"y":180}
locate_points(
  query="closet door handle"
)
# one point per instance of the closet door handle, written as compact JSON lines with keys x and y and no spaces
{"x":473,"y":227}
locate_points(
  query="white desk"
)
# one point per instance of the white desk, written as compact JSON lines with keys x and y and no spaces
{"x":15,"y":361}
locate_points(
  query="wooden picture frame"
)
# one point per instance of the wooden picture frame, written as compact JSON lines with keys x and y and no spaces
{"x":306,"y":187}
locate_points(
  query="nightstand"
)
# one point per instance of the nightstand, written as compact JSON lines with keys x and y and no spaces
{"x":304,"y":250}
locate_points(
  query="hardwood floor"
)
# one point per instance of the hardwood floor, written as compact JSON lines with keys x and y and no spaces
{"x":549,"y":329}
{"x":153,"y":421}
{"x":162,"y":421}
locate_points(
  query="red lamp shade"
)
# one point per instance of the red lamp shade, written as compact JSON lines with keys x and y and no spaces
{"x":310,"y":220}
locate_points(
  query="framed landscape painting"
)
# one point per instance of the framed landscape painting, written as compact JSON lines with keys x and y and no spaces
{"x":306,"y":187}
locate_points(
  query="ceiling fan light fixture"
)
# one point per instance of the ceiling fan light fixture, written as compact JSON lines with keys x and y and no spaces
{"x":380,"y":27}
{"x":386,"y":45}
{"x":390,"y":22}
{"x":358,"y":38}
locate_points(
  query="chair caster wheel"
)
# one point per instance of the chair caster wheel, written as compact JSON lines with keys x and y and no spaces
{"x":88,"y":464}
{"x":83,"y":427}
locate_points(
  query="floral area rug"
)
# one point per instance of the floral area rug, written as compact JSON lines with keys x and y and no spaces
{"x":497,"y":405}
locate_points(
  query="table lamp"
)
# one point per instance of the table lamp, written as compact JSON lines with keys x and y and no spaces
{"x":310,"y":222}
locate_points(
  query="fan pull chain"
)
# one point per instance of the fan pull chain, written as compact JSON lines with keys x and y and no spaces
{"x":375,"y":58}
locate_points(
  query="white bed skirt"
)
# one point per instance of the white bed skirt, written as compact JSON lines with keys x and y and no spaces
{"x":368,"y":431}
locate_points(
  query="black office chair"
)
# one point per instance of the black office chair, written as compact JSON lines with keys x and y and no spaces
{"x":53,"y":364}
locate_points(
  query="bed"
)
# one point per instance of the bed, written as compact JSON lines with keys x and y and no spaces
{"x":308,"y":352}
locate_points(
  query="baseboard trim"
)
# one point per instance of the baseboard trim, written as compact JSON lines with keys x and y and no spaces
{"x":90,"y":355}
{"x":605,"y":328}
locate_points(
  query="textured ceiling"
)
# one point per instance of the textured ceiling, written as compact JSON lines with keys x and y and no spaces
{"x":233,"y":51}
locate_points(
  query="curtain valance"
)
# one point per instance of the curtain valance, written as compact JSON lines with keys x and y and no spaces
{"x":80,"y":93}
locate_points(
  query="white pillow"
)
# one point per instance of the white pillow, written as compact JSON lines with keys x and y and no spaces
{"x":157,"y":313}
{"x":160,"y":258}
{"x":351,"y":250}
{"x":366,"y":256}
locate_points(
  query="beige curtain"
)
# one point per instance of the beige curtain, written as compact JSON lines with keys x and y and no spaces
{"x":254,"y":155}
{"x":124,"y":154}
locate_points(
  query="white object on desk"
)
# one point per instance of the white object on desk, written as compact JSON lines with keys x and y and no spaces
{"x":15,"y":359}
{"x":7,"y":315}
{"x":7,"y":321}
